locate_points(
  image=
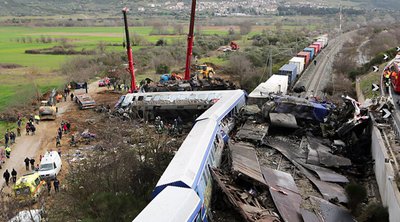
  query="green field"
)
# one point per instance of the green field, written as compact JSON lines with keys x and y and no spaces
{"x":18,"y":85}
{"x":12,"y":51}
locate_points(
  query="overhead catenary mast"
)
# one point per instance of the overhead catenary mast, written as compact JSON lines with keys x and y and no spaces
{"x":129,"y":52}
{"x":190,"y":41}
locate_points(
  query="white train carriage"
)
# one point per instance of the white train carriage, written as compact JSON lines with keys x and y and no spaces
{"x":189,"y":168}
{"x":202,"y":149}
{"x":174,"y":204}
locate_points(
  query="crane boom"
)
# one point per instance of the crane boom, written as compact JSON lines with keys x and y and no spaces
{"x":129,"y":52}
{"x":190,"y":41}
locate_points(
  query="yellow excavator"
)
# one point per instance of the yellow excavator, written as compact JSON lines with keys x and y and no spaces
{"x":48,"y":109}
{"x":205,"y":71}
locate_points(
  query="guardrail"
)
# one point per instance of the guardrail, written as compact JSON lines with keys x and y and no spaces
{"x":385,"y":175}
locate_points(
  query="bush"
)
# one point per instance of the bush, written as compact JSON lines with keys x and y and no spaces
{"x":374,"y":212}
{"x":162,"y":69}
{"x":356,"y":194}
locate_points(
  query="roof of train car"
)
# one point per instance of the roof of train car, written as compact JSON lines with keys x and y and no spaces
{"x":173,"y":96}
{"x":226,"y":103}
{"x":274,"y":84}
{"x":174,"y":204}
{"x":288,"y":67}
{"x":297,"y":59}
{"x":185,"y":168}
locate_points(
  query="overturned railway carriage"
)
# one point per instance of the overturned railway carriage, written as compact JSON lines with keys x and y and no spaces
{"x":190,"y":167}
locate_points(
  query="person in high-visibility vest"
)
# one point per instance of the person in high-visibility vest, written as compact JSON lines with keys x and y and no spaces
{"x":8,"y":152}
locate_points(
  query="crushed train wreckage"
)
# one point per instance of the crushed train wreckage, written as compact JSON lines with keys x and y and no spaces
{"x":322,"y":149}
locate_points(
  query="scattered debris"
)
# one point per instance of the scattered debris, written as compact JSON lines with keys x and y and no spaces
{"x":244,"y":201}
{"x":326,"y":212}
{"x":283,"y":120}
{"x":245,"y":161}
{"x":253,"y":132}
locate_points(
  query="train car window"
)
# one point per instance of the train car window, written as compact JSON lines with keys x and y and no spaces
{"x":208,"y":172}
{"x":198,"y":217}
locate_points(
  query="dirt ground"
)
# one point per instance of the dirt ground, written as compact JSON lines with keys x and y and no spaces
{"x":32,"y":146}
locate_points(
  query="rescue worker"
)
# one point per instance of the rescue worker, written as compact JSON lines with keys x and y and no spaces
{"x":6,"y":138}
{"x":387,"y":76}
{"x":27,"y":128}
{"x":49,"y":186}
{"x":58,"y":143}
{"x":8,"y":152}
{"x":32,"y":161}
{"x":387,"y":85}
{"x":18,"y":131}
{"x":33,"y":129}
{"x":27,"y":163}
{"x":72,"y":142}
{"x":59,"y":133}
{"x":6,"y":176}
{"x":68,"y":124}
{"x":14,"y":175}
{"x":12,"y":137}
{"x":37,"y":119}
{"x":56,"y":184}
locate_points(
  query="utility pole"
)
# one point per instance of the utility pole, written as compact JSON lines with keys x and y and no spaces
{"x":270,"y":58}
{"x":270,"y":62}
{"x":340,"y":17}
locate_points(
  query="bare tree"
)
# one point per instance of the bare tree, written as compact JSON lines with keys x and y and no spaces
{"x":245,"y":27}
{"x":101,"y":47}
{"x":178,"y":29}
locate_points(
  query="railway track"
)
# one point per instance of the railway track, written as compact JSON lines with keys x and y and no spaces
{"x":315,"y":78}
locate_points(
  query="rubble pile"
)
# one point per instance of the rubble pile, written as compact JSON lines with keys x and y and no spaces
{"x":191,"y":85}
{"x":300,"y":176}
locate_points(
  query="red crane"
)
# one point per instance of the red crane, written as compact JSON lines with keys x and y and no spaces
{"x":190,"y":41}
{"x":129,"y":52}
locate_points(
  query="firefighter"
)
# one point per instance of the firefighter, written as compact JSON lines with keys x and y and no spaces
{"x":387,"y":76}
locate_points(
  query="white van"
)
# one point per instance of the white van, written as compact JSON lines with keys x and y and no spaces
{"x":50,"y":165}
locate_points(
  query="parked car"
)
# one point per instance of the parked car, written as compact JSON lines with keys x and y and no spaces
{"x":50,"y":165}
{"x":102,"y":83}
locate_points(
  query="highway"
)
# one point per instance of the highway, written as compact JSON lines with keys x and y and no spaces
{"x":316,"y":77}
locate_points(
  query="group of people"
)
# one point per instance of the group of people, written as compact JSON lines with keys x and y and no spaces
{"x":7,"y":175}
{"x":65,"y":127}
{"x":31,"y":162}
{"x":56,"y":184}
{"x":30,"y":127}
{"x":9,"y":138}
{"x":173,"y":129}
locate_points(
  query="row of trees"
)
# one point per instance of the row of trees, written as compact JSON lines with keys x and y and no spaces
{"x":42,"y":39}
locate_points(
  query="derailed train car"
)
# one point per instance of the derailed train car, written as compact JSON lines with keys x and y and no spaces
{"x":189,"y":170}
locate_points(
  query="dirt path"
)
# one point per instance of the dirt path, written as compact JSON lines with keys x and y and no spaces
{"x":32,"y":146}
